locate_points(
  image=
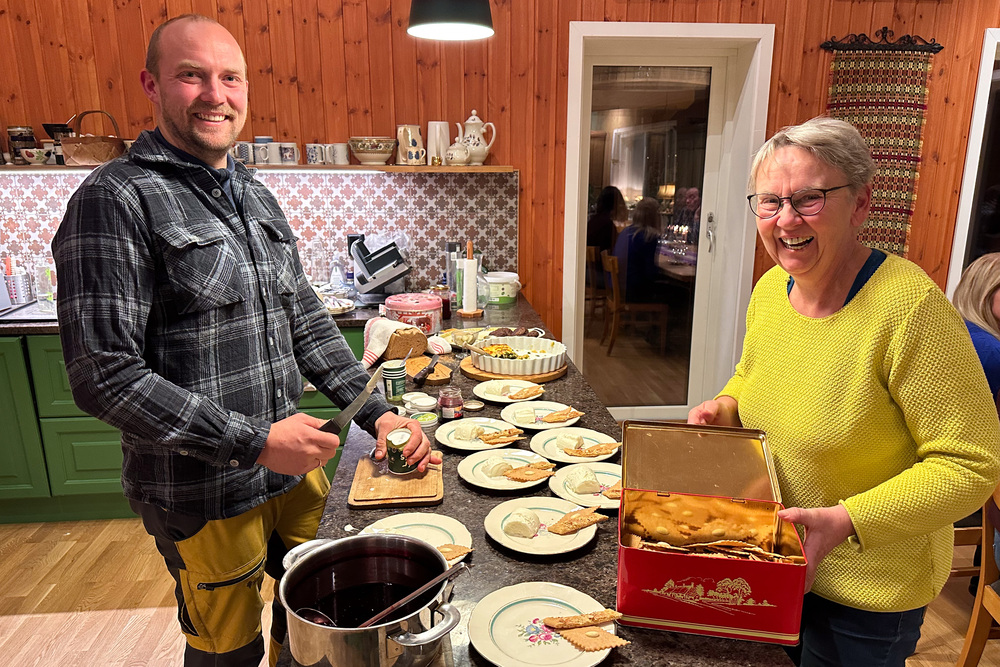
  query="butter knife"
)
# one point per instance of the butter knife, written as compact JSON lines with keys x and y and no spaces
{"x":336,"y":425}
{"x":421,"y":377}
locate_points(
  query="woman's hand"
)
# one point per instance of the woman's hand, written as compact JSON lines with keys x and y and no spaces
{"x":417,"y":451}
{"x":722,"y":411}
{"x":826,"y":527}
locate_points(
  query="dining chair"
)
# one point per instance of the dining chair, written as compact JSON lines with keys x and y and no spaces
{"x":616,"y":305}
{"x":596,"y":291}
{"x":968,"y":533}
{"x":986,"y":608}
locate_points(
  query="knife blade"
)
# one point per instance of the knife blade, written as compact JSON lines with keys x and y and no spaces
{"x":336,"y":425}
{"x":421,"y":377}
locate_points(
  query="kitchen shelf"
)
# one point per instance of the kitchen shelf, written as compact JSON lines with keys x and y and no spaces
{"x":409,"y":169}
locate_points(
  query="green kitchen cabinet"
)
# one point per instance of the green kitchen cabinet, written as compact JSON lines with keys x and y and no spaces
{"x":83,"y":456}
{"x":22,"y":465}
{"x":53,"y":395}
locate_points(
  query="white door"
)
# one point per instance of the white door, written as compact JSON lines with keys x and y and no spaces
{"x":715,"y":86}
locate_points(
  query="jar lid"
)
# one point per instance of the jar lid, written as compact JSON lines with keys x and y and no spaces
{"x":425,"y":418}
{"x":411,"y":395}
{"x":413,"y":302}
{"x":424,"y":403}
{"x":20,"y":129}
{"x":474,"y":405}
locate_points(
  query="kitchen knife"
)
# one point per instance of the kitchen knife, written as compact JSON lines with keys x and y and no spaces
{"x":421,"y":377}
{"x":336,"y":425}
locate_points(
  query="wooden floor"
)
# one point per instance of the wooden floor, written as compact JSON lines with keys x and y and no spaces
{"x":96,"y":594}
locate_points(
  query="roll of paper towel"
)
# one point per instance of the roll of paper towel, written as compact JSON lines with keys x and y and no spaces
{"x":469,"y":288}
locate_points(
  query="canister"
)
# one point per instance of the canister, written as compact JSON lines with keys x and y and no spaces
{"x":419,"y":310}
{"x":19,"y":136}
{"x":395,"y":442}
{"x":394,"y":376}
{"x":428,"y":422}
{"x":504,"y":286}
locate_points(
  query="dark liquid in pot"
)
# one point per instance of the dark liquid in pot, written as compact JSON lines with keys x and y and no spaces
{"x":352,"y":606}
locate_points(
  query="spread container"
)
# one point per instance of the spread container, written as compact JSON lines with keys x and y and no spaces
{"x":686,"y":484}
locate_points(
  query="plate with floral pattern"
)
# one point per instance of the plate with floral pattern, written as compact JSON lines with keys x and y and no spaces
{"x":506,"y":626}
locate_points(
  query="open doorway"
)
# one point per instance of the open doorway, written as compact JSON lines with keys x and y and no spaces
{"x":669,"y":115}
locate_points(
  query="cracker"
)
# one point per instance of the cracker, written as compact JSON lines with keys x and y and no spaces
{"x":591,"y":639}
{"x":613,"y":492}
{"x":504,"y":437}
{"x":562,"y":415}
{"x":581,"y":620}
{"x":527,"y":392}
{"x":574,"y":521}
{"x":595,"y":450}
{"x":527,"y":474}
{"x":543,"y":465}
{"x":453,"y":551}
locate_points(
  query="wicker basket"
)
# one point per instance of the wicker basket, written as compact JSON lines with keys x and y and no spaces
{"x":89,"y":151}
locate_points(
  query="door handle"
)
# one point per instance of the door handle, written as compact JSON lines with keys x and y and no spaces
{"x":710,"y":234}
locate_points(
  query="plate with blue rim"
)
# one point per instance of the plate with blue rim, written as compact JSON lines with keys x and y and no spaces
{"x":472,"y":469}
{"x":506,"y":626}
{"x":435,"y":529}
{"x":545,"y":443}
{"x":539,"y":409}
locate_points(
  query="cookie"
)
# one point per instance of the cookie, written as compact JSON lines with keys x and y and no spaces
{"x":527,"y":474}
{"x":453,"y":551}
{"x":592,"y":638}
{"x":562,"y":416}
{"x":581,"y":620}
{"x":504,"y":437}
{"x":527,"y":392}
{"x":613,"y":492}
{"x":578,"y":520}
{"x":595,"y":450}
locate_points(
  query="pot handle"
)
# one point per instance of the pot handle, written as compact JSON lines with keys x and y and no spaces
{"x":301,"y":550}
{"x":451,"y":618}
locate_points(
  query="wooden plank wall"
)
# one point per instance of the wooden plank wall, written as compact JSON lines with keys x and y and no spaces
{"x":324,"y":70}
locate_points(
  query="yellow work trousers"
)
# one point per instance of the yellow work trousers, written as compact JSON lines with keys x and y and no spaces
{"x":219,"y":565}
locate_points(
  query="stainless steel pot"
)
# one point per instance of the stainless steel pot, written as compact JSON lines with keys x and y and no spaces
{"x":346,"y":579}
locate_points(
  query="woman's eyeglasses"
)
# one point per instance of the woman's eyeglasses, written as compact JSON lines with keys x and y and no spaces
{"x":806,"y":202}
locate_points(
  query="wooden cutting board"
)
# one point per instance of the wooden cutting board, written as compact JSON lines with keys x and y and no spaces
{"x":373,"y":488}
{"x":479,"y":374}
{"x":440,"y":375}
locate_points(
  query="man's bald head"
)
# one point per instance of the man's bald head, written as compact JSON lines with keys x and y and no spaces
{"x":153,"y":50}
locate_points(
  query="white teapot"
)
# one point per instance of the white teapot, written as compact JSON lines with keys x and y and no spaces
{"x":473,"y":138}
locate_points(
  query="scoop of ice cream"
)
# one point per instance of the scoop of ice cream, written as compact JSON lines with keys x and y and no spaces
{"x":495,"y":466}
{"x":522,"y":523}
{"x":583,"y":480}
{"x":567,"y":441}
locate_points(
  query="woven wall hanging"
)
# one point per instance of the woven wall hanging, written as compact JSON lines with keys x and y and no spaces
{"x":880,"y":87}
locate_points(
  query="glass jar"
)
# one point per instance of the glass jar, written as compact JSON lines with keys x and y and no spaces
{"x":450,"y":402}
{"x":19,"y":137}
{"x":443,"y":293}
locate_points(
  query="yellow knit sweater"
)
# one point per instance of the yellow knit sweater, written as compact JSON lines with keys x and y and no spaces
{"x":883,"y":407}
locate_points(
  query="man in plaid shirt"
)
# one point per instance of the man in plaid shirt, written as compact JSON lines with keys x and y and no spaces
{"x":187,"y":323}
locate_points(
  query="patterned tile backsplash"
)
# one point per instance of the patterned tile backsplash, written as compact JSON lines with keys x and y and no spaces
{"x":420,"y":211}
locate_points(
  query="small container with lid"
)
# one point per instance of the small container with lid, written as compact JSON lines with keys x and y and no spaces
{"x":428,"y":422}
{"x":450,"y":402}
{"x":443,"y":293}
{"x":20,"y":137}
{"x":421,"y":404}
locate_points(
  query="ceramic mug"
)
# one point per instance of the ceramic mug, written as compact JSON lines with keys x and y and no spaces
{"x":337,"y":154}
{"x":315,"y":154}
{"x":262,"y":153}
{"x":242,"y":151}
{"x":263,"y":139}
{"x":289,"y":152}
{"x":410,"y":146}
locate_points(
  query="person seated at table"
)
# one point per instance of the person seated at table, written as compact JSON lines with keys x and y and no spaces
{"x":689,"y":215}
{"x":609,"y":208}
{"x":977,"y":299}
{"x":636,"y":252}
{"x":877,"y":412}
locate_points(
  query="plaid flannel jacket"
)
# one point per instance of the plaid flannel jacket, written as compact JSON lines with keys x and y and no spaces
{"x":187,"y":325}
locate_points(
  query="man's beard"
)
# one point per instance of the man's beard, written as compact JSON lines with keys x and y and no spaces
{"x":211,"y":144}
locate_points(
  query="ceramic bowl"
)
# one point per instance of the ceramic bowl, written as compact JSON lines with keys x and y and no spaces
{"x":36,"y":156}
{"x":372,"y":150}
{"x":548,"y":355}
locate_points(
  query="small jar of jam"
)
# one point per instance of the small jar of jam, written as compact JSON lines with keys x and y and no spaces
{"x":450,"y":402}
{"x":444,"y":294}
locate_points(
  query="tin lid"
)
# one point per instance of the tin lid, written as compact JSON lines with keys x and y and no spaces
{"x":472,"y":405}
{"x":411,"y":302}
{"x":706,"y":460}
{"x":20,"y":129}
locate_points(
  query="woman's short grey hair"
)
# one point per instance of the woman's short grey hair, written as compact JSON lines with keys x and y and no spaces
{"x":833,"y":141}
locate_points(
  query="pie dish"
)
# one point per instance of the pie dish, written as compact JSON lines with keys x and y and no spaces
{"x":543,"y":356}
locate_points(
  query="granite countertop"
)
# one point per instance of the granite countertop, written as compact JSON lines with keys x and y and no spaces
{"x":591,"y":569}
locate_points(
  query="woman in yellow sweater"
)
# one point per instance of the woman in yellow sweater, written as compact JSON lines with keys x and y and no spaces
{"x":876,"y":408}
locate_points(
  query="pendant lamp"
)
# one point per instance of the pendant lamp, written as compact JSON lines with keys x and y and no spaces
{"x":452,"y":20}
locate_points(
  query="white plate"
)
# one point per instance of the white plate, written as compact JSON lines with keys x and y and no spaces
{"x":471,"y":469}
{"x":608,"y":474}
{"x":435,"y":529}
{"x":549,"y":510}
{"x":540,"y":408}
{"x":544,"y":443}
{"x":445,"y":434}
{"x":488,"y":391}
{"x":504,"y":630}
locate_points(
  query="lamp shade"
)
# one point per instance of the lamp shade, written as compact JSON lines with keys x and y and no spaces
{"x":450,"y":19}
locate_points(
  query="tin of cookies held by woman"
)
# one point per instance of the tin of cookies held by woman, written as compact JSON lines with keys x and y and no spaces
{"x":876,"y":409}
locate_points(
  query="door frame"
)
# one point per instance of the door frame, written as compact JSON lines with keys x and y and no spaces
{"x":748,"y":50}
{"x":973,"y":156}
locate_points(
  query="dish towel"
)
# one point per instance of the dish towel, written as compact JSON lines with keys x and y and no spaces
{"x":377,"y":333}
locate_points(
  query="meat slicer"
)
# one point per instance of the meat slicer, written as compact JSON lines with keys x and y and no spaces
{"x":373,"y":271}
